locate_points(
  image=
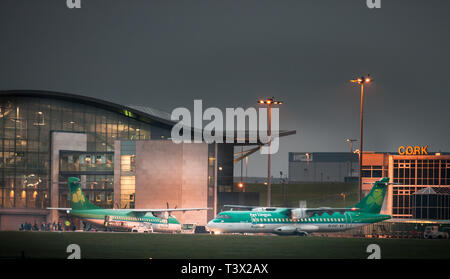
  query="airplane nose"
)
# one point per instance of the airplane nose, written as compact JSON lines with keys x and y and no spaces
{"x":210,"y":225}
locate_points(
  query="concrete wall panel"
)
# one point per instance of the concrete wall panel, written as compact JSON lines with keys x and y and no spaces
{"x":172,"y":173}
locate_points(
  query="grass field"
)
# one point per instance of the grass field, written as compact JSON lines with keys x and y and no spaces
{"x":167,"y":246}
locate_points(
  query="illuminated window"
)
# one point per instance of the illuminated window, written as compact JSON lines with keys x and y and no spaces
{"x":127,"y":163}
{"x":127,"y":191}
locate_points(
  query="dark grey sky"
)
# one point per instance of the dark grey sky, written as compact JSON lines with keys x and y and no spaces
{"x":165,"y":54}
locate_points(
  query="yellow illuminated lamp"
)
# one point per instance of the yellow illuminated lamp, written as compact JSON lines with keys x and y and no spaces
{"x":362,"y":80}
{"x":240,"y":184}
{"x":270,"y":101}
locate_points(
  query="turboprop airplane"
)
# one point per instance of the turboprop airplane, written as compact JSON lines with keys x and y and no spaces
{"x":301,"y":221}
{"x":152,"y":220}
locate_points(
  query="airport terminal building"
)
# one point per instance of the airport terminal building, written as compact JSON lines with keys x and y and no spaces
{"x":122,"y":154}
{"x":415,"y":172}
{"x":410,"y":172}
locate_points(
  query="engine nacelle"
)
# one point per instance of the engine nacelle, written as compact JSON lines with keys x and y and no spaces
{"x":286,"y":230}
{"x":299,"y":213}
{"x":162,"y":215}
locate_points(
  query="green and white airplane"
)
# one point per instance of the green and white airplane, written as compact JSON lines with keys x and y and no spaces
{"x":151,"y":220}
{"x":301,"y":221}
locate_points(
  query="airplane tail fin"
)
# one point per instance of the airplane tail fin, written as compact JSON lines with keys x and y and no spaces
{"x":78,"y":200}
{"x":373,"y":202}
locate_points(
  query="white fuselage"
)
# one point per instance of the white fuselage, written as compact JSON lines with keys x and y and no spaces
{"x":128,"y":225}
{"x":280,"y":228}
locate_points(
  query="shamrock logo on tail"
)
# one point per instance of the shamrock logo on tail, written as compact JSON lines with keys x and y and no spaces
{"x":78,"y":196}
{"x":375,"y":198}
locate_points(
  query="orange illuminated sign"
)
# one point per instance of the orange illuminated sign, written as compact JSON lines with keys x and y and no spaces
{"x":413,"y":150}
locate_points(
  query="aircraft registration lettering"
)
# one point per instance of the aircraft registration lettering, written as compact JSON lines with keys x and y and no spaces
{"x":260,"y":215}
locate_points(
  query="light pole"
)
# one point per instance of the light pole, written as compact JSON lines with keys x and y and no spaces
{"x":283,"y":188}
{"x":361,"y":81}
{"x":269,"y":102}
{"x":242,"y":165}
{"x":351,"y":154}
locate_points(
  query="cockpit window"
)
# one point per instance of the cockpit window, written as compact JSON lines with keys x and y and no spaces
{"x":223,"y":216}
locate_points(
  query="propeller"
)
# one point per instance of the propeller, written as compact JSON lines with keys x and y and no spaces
{"x":170,"y":213}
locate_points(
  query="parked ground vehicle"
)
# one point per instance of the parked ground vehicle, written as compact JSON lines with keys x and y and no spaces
{"x":188,"y":228}
{"x":142,"y":229}
{"x":432,"y":232}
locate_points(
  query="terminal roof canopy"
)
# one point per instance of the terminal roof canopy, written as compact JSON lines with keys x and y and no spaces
{"x":142,"y":113}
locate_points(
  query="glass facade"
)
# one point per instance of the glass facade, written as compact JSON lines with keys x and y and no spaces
{"x":415,"y":175}
{"x":432,"y":205}
{"x":127,"y":174}
{"x":80,"y":162}
{"x":26,"y":124}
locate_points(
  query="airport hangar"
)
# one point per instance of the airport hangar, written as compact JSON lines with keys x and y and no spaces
{"x":122,"y":154}
{"x":421,"y":179}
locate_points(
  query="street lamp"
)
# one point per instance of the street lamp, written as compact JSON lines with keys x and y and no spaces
{"x":361,"y":81}
{"x":351,"y":153}
{"x":269,"y":102}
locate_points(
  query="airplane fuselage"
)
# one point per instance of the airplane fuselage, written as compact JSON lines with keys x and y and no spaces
{"x":279,"y":223}
{"x":124,"y":221}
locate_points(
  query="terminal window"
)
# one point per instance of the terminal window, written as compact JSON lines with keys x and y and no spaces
{"x":373,"y":171}
{"x":127,"y":191}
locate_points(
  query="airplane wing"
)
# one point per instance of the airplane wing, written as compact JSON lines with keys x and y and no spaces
{"x":255,"y":208}
{"x":163,"y":209}
{"x":60,"y":208}
{"x":308,"y":211}
{"x":145,"y":210}
{"x":241,"y":206}
{"x":321,"y":210}
{"x":141,"y":211}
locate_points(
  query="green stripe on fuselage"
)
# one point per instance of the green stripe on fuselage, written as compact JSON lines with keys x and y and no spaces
{"x":280,"y":216}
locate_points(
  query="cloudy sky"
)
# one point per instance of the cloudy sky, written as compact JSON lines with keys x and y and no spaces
{"x":165,"y":54}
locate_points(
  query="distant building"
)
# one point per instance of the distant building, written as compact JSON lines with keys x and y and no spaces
{"x":323,"y":167}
